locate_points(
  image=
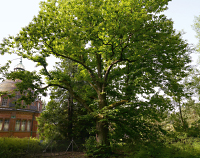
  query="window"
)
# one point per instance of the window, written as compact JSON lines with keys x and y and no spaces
{"x":17,"y":96}
{"x":28,"y":125}
{"x":1,"y":124}
{"x":6,"y":125}
{"x":23,"y":125}
{"x":4,"y":101}
{"x":17,"y":125}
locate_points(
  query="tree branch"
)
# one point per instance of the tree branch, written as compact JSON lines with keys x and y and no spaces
{"x":78,"y":98}
{"x":95,"y":88}
{"x":111,"y":106}
{"x":48,"y":74}
{"x":77,"y":61}
{"x":109,"y":68}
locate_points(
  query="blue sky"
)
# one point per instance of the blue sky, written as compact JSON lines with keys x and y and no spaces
{"x":15,"y":14}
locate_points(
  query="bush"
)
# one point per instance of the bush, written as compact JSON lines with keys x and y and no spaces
{"x":17,"y":147}
{"x":93,"y":149}
{"x":174,"y":145}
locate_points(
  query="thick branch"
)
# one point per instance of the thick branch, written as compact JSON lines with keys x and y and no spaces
{"x":99,"y":65}
{"x":111,"y":106}
{"x":95,"y":88}
{"x":78,"y":98}
{"x":77,"y":61}
{"x":47,"y":73}
{"x":109,"y":68}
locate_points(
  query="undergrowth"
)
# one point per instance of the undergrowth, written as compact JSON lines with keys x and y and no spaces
{"x":176,"y":146}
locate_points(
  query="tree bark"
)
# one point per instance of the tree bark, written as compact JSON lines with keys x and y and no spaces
{"x":102,"y":135}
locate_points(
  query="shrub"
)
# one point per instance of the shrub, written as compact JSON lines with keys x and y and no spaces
{"x":17,"y":147}
{"x":93,"y":149}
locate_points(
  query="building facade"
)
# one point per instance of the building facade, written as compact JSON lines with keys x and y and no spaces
{"x":17,"y":121}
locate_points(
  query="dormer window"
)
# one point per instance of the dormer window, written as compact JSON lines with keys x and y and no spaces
{"x":4,"y":102}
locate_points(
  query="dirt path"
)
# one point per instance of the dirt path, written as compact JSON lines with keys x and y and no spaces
{"x":59,"y":155}
{"x":70,"y":155}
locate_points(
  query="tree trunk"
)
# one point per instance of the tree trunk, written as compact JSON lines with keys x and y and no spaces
{"x":102,"y":133}
{"x":181,"y":116}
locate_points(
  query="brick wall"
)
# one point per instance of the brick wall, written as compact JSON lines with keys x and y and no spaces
{"x":17,"y":115}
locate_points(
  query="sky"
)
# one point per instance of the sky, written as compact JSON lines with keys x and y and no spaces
{"x":15,"y":14}
{"x":183,"y":13}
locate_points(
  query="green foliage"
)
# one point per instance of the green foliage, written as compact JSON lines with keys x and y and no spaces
{"x":4,"y":70}
{"x":17,"y":147}
{"x":175,"y":145}
{"x":122,"y":50}
{"x":177,"y":124}
{"x":54,"y":121}
{"x":191,"y":119}
{"x":93,"y":149}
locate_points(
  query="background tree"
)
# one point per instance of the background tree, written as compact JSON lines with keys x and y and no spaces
{"x":122,"y":50}
{"x":185,"y":117}
{"x":57,"y":122}
{"x":62,"y":118}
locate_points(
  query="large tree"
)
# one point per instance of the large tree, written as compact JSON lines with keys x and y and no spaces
{"x":121,"y":49}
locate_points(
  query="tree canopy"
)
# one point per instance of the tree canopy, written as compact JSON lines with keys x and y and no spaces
{"x":122,"y":50}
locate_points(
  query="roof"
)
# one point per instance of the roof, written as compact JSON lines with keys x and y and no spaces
{"x":19,"y":66}
{"x":21,"y":110}
{"x":8,"y":85}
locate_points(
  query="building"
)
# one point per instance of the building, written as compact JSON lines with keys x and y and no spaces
{"x":17,"y":122}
